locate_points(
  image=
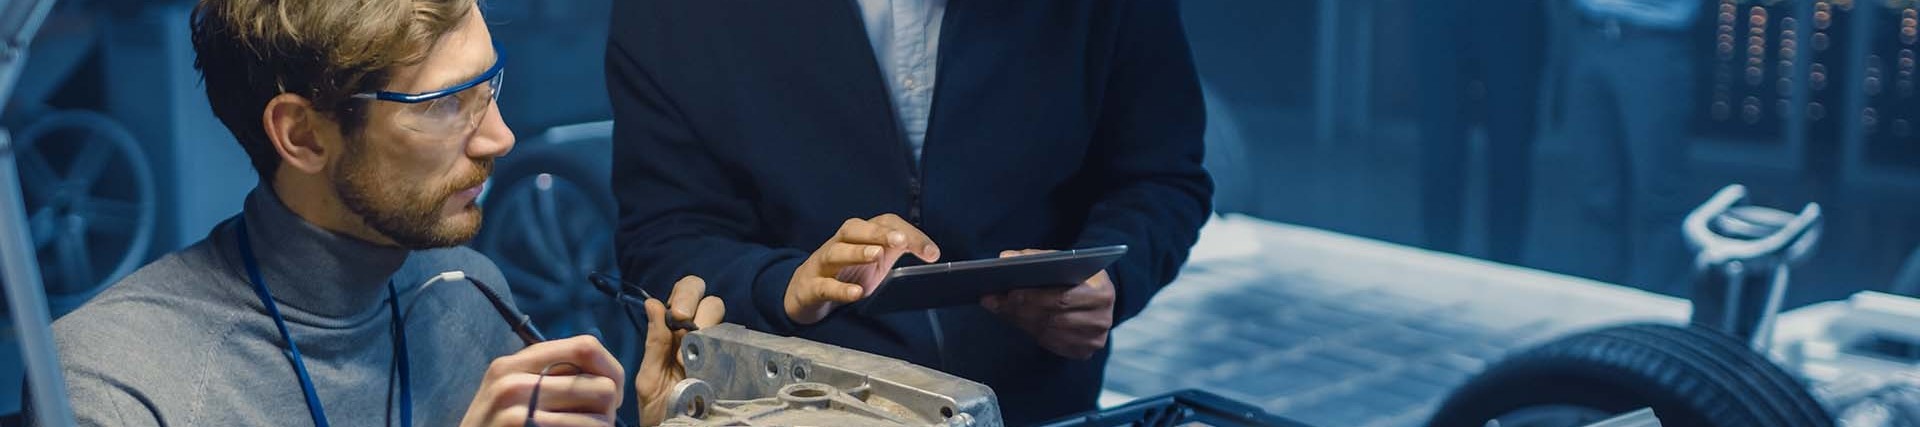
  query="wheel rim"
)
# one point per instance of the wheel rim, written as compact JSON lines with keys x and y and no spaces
{"x":1553,"y":415}
{"x":546,"y":245}
{"x":90,"y":203}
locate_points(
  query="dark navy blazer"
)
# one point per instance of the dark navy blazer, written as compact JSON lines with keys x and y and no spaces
{"x":745,"y":132}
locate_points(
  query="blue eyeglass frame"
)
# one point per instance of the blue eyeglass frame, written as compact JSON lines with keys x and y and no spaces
{"x":499,"y":65}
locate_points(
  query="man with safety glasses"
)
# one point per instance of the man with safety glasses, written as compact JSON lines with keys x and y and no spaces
{"x":372,"y":125}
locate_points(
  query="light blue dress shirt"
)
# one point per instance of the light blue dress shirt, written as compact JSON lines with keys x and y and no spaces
{"x":906,"y":40}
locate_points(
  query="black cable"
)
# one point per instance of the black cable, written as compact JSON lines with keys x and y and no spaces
{"x":533,"y":401}
{"x":605,"y":284}
{"x":419,"y":294}
{"x":522,"y":324}
{"x":623,"y":292}
{"x":639,"y":322}
{"x":393,"y":383}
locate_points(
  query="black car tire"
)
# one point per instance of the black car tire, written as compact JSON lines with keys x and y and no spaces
{"x":1690,"y":376}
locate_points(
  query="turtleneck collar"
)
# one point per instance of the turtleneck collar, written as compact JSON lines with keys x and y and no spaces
{"x":313,"y":270}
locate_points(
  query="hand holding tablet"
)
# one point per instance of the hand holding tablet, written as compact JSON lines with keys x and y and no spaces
{"x":965,"y":282}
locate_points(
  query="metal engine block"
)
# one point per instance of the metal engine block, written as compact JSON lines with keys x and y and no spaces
{"x":739,"y":377}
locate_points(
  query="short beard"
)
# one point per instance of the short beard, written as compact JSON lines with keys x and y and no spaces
{"x":393,"y":208}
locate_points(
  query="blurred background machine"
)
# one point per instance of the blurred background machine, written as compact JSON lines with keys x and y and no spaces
{"x":1313,"y":140}
{"x":28,"y":314}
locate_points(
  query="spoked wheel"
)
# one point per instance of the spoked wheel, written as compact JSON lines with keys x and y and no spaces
{"x":548,"y":223}
{"x":553,"y":242}
{"x":90,"y":203}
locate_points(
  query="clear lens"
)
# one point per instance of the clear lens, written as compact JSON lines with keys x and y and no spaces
{"x":456,"y":114}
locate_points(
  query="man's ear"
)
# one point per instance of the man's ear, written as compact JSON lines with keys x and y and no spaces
{"x":291,"y":125}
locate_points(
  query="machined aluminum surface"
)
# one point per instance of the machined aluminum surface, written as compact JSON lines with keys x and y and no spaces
{"x":739,"y":377}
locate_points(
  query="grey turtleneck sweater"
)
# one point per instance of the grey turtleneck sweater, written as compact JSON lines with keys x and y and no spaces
{"x":184,"y":341}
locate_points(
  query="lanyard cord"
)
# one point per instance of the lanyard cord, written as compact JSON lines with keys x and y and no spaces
{"x":314,"y":408}
{"x":400,"y":356}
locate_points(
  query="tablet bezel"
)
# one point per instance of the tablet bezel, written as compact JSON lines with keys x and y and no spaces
{"x":876,"y":303}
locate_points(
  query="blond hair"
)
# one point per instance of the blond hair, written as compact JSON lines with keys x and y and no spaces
{"x":250,"y":51}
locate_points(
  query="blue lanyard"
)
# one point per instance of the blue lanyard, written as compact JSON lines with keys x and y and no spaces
{"x":314,"y":408}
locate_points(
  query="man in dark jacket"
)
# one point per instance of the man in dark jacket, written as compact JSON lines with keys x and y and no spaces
{"x":747,"y":134}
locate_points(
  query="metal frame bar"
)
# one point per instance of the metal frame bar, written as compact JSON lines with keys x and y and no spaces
{"x":27,"y":300}
{"x":26,"y":296}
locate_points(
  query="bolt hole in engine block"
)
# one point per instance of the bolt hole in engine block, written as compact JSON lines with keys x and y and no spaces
{"x":697,"y":408}
{"x":737,"y":381}
{"x":808,"y":393}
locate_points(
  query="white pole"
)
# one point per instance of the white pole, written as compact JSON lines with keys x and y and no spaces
{"x":27,"y":299}
{"x":26,"y":294}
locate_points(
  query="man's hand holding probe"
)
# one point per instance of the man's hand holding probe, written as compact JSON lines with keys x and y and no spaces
{"x":579,"y":383}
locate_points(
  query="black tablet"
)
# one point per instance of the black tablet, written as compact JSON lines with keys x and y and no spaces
{"x":964,"y":282}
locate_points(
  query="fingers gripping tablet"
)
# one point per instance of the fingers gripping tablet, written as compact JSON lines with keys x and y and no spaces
{"x":964,"y":282}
